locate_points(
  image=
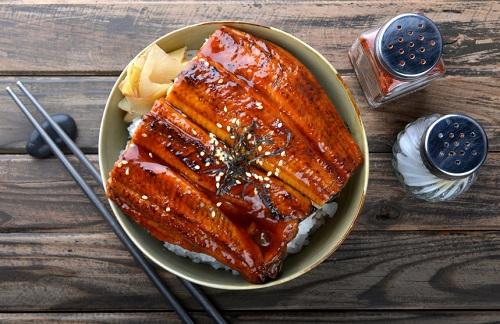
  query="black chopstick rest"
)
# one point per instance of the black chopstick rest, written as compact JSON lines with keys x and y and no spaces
{"x":38,"y":148}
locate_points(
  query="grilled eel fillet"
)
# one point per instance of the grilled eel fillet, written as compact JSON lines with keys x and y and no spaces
{"x":163,"y":182}
{"x":175,"y":210}
{"x":172,"y":137}
{"x":237,"y":76}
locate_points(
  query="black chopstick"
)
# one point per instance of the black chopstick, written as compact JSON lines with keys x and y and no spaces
{"x":151,"y":273}
{"x":195,"y":292}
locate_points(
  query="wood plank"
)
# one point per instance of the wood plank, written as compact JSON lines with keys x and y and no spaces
{"x":410,"y":317}
{"x":102,"y":38}
{"x":473,"y":96}
{"x":31,"y":203}
{"x":85,"y":97}
{"x":371,"y":270}
{"x":389,"y":207}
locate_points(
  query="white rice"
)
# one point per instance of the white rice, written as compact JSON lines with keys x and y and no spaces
{"x":133,"y":126}
{"x":307,"y":227}
{"x":198,"y":257}
{"x":311,"y":225}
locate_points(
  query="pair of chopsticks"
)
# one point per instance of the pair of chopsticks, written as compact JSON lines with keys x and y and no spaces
{"x":136,"y":254}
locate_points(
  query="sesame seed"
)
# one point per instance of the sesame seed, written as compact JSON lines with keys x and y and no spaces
{"x":207,"y":164}
{"x":249,"y":136}
{"x":119,"y":164}
{"x":211,"y":135}
{"x":280,"y":124}
{"x":267,"y":185}
{"x":144,"y":135}
{"x":144,"y":197}
{"x":207,"y":64}
{"x":213,"y":213}
{"x":255,"y":176}
{"x":259,"y":148}
{"x":221,"y":174}
{"x":255,"y":191}
{"x":269,"y":173}
{"x":167,"y":209}
{"x":266,"y":178}
{"x":238,"y":181}
{"x":124,"y":162}
{"x":232,"y":137}
{"x":194,"y":132}
{"x":228,"y":128}
{"x":237,"y":122}
{"x":220,"y":81}
{"x":282,"y":153}
{"x":196,"y":167}
{"x":150,"y":155}
{"x":127,"y":171}
{"x":202,"y":153}
{"x":225,"y":109}
{"x":280,"y":162}
{"x":248,"y":174}
{"x":218,"y":204}
{"x":267,"y":153}
{"x":217,"y":178}
{"x":219,"y":125}
{"x":217,"y":185}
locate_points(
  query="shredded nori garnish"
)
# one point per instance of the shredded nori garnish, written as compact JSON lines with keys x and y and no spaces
{"x":239,"y":158}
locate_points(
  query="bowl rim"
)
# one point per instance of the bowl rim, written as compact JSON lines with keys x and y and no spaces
{"x":364,"y":166}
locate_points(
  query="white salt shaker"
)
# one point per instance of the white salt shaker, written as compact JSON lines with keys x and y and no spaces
{"x":438,"y":157}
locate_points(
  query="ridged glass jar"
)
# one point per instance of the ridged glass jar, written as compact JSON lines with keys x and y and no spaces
{"x":441,"y":168}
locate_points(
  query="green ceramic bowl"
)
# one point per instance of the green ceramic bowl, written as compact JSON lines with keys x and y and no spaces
{"x":113,"y":136}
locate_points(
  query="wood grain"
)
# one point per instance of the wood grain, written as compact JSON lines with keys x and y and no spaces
{"x":85,"y":97}
{"x":30,"y":203}
{"x":372,"y":270}
{"x":57,"y":203}
{"x":411,"y":317}
{"x":101,"y":38}
{"x":407,"y":261}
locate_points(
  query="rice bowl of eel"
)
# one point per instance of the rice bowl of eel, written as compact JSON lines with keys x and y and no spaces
{"x":310,"y":243}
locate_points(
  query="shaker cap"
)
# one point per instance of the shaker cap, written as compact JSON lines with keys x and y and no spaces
{"x":409,"y":45}
{"x":454,"y":146}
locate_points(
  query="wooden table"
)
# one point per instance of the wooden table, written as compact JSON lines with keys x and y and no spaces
{"x":406,"y":260}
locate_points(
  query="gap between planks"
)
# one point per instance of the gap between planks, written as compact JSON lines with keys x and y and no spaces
{"x":388,"y":207}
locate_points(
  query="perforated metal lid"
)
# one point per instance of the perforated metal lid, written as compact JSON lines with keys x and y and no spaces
{"x":454,"y":146}
{"x":409,"y":45}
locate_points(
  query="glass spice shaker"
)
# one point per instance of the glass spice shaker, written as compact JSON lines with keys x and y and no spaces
{"x":402,"y":56}
{"x":438,"y":157}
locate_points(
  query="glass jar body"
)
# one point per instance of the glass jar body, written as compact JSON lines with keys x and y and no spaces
{"x":412,"y":172}
{"x":379,"y":85}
